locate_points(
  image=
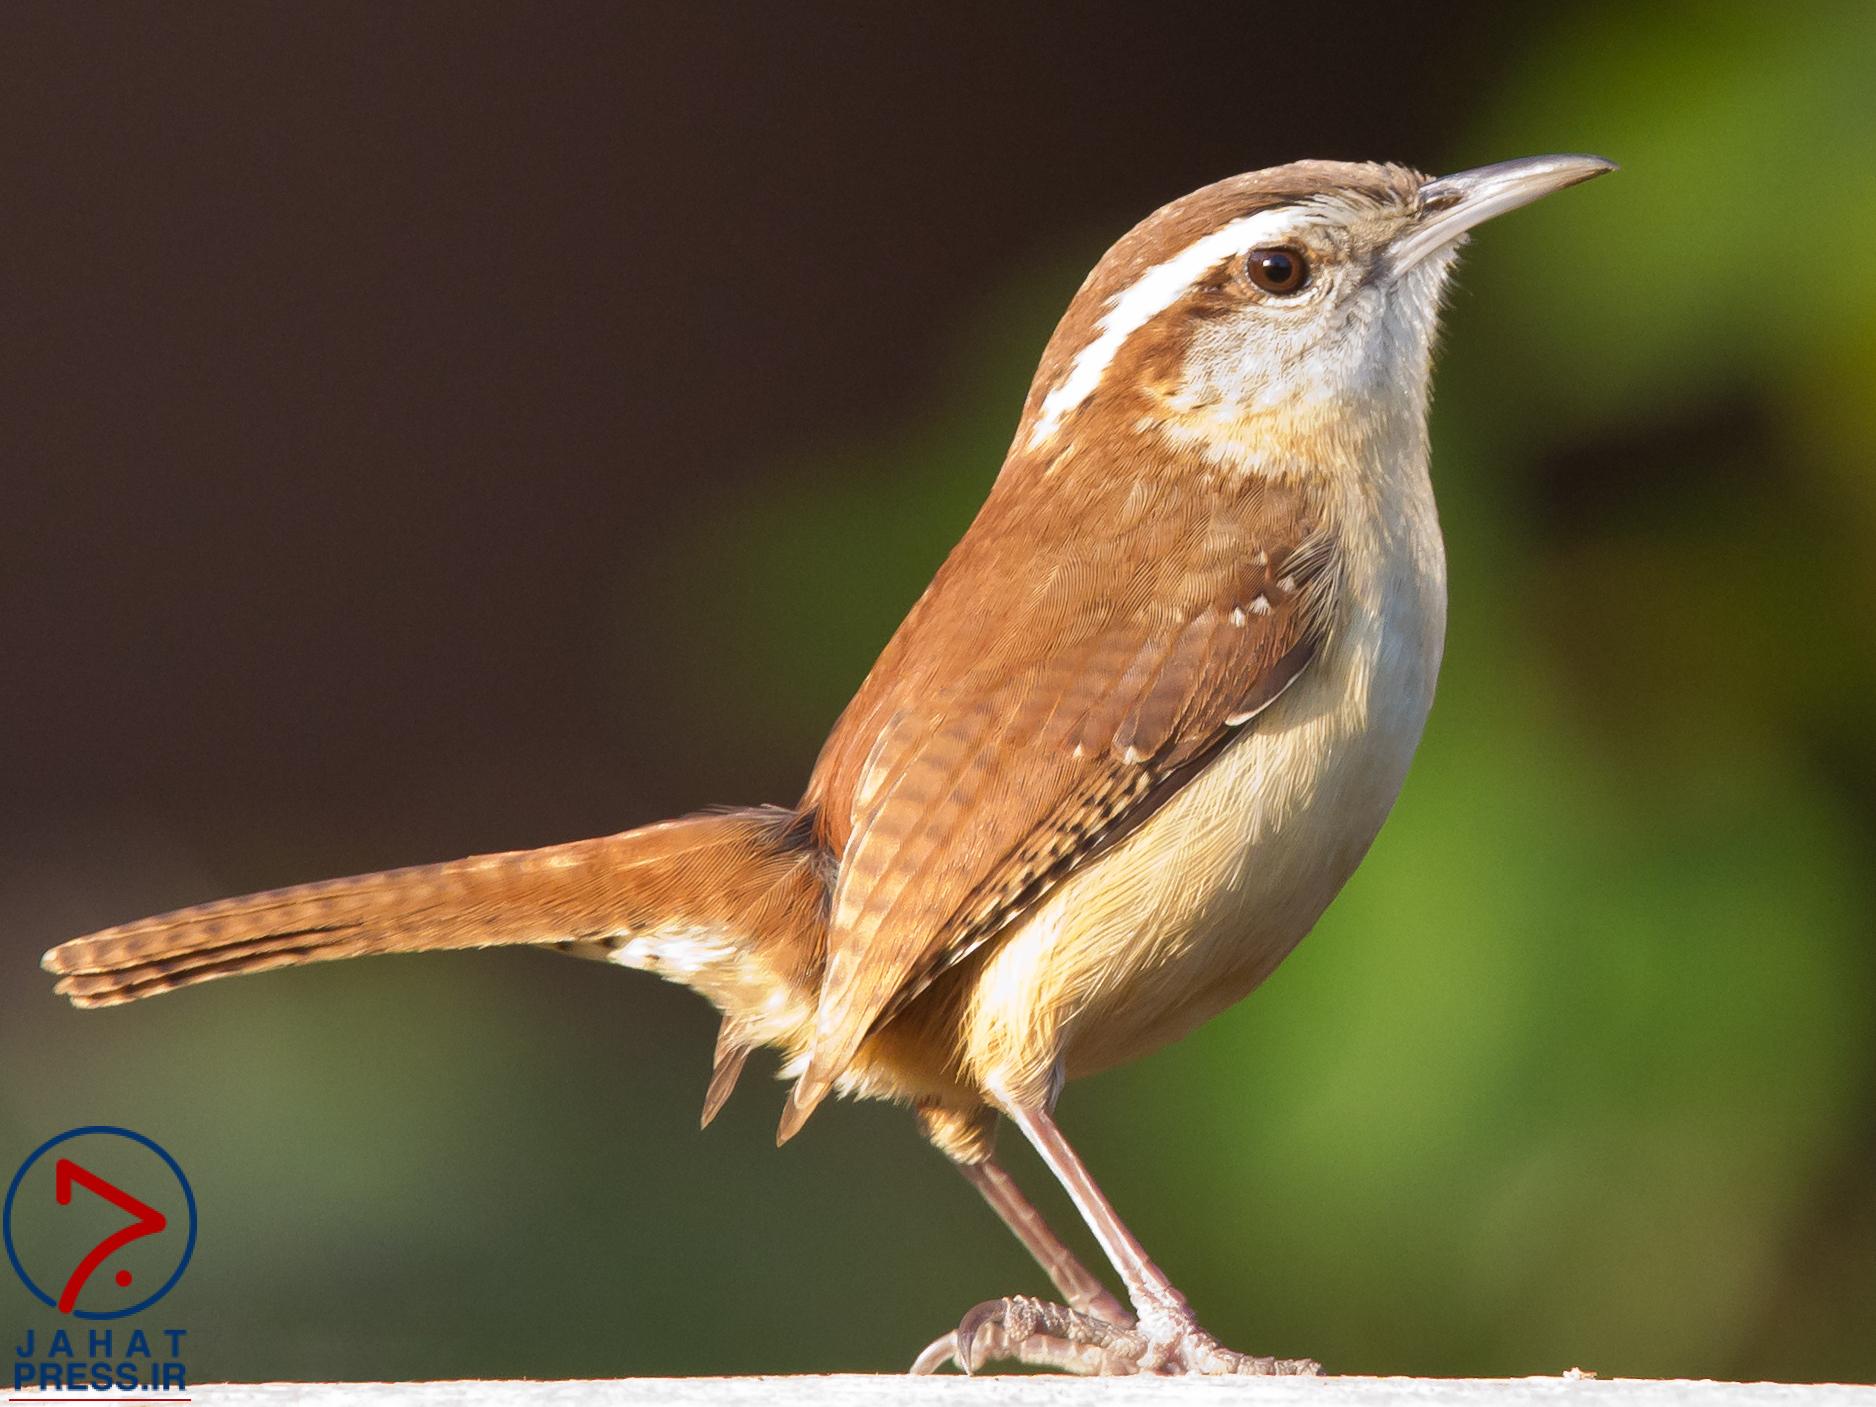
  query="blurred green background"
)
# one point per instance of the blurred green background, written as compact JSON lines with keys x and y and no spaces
{"x":440,"y":430}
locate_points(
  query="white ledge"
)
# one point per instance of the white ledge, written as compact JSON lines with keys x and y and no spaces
{"x":851,"y":1390}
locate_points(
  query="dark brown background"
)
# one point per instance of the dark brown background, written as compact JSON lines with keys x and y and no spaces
{"x":356,"y":351}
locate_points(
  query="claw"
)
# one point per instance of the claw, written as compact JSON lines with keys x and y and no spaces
{"x":937,"y":1353}
{"x":999,"y":1324}
{"x":1196,"y":1351}
{"x":1033,"y":1331}
{"x":1025,"y":1330}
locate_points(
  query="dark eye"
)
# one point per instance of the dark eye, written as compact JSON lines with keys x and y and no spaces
{"x":1277,"y":270}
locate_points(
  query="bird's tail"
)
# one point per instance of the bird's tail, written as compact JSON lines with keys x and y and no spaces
{"x":731,"y":903}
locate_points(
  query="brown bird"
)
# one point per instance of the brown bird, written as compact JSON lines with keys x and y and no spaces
{"x":1125,"y":749}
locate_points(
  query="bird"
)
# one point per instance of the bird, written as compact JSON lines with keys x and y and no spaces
{"x":1121,"y":754}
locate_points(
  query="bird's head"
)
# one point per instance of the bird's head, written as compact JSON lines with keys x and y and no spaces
{"x":1256,"y":315}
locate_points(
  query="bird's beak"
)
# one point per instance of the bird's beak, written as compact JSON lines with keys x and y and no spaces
{"x":1451,"y":205}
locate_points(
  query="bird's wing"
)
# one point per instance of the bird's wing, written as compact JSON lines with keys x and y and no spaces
{"x":1064,"y":675}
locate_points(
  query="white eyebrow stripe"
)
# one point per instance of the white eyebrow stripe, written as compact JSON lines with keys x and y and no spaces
{"x":1146,"y":298}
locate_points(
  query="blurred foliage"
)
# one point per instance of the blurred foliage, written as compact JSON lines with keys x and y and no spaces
{"x":1578,"y":1071}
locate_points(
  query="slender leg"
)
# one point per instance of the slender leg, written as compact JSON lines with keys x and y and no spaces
{"x":1146,"y":1283}
{"x":1074,"y":1281}
{"x":1032,"y":1341}
{"x":1166,"y":1338}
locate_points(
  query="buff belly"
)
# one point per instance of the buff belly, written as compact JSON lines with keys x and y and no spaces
{"x":1199,"y":905}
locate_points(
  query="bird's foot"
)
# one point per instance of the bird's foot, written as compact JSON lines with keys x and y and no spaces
{"x":1197,"y":1353}
{"x":1023,"y":1330}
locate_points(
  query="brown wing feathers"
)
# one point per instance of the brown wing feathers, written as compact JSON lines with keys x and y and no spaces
{"x":1070,"y":715}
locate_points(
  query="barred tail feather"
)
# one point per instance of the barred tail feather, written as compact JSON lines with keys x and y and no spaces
{"x":730,"y":903}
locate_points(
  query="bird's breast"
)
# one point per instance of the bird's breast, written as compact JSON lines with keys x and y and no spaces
{"x":1195,"y":908}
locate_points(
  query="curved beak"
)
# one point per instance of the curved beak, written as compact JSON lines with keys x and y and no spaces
{"x":1451,"y":205}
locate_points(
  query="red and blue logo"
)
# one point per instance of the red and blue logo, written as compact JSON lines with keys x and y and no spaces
{"x":99,"y":1223}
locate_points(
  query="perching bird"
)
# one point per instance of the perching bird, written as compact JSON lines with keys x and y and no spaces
{"x":1125,"y":749}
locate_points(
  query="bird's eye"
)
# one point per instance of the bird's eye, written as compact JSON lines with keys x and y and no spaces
{"x":1277,"y":270}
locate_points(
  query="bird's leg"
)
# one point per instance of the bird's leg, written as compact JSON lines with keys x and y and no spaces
{"x":1165,"y":1338}
{"x":1153,"y":1294}
{"x":1078,"y":1285}
{"x":1089,"y":1301}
